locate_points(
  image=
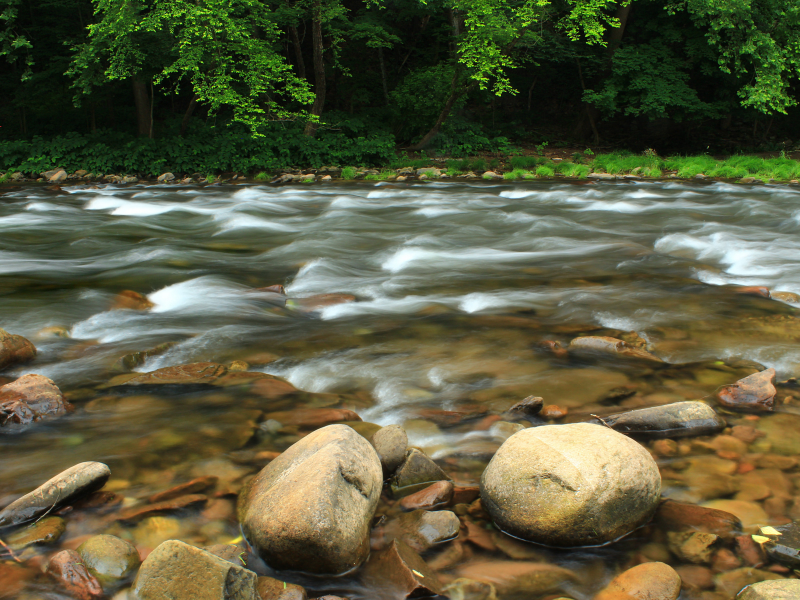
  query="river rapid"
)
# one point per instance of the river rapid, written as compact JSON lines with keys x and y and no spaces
{"x":456,"y":286}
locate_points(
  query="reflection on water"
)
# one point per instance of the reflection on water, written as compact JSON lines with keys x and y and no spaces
{"x":456,"y":288}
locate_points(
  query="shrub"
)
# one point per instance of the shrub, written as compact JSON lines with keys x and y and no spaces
{"x":261,"y":176}
{"x":349,"y":173}
{"x":545,"y":171}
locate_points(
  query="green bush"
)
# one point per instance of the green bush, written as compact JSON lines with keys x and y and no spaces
{"x":261,"y":176}
{"x":349,"y":173}
{"x":518,"y":174}
{"x":545,"y":171}
{"x":525,"y":162}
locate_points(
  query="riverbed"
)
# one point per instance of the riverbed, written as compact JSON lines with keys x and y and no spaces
{"x":445,"y":302}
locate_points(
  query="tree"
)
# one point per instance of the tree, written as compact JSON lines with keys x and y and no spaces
{"x":226,"y":50}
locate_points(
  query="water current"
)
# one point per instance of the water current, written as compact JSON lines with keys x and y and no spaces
{"x":456,"y":286}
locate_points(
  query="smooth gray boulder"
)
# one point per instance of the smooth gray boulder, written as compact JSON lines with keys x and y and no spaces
{"x":777,"y":589}
{"x":311,"y":508}
{"x":680,"y":419}
{"x":178,"y":571}
{"x":570,"y":485}
{"x":84,"y":478}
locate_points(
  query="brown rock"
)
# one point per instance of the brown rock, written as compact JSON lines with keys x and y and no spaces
{"x":692,"y":546}
{"x":695,"y":577}
{"x":333,"y":478}
{"x":417,"y":468}
{"x":272,"y":388}
{"x":513,"y":578}
{"x":648,"y":581}
{"x":68,"y":569}
{"x":313,"y":418}
{"x":479,"y":536}
{"x":272,"y":289}
{"x":313,"y":303}
{"x":754,"y":290}
{"x":732,"y":582}
{"x":70,"y":485}
{"x":611,"y":345}
{"x":137,"y":513}
{"x":14,"y":349}
{"x":273,"y":589}
{"x":399,"y":572}
{"x":434,"y":496}
{"x":755,"y":393}
{"x":554,"y":347}
{"x":422,"y":529}
{"x":194,"y":373}
{"x":29,"y":399}
{"x":13,"y":578}
{"x":44,"y":532}
{"x":465,"y":495}
{"x":524,"y":409}
{"x":779,"y":589}
{"x":746,"y":433}
{"x":391,"y":443}
{"x":679,"y":516}
{"x":131,"y":300}
{"x":553,"y":411}
{"x":724,"y":560}
{"x":750,"y":552}
{"x":194,"y":486}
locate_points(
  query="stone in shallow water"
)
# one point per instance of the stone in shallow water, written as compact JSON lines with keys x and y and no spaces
{"x":391,"y":443}
{"x":29,"y":399}
{"x":434,"y":496}
{"x":570,"y":485}
{"x":609,"y":345}
{"x":110,"y":559}
{"x":422,"y":529}
{"x":524,"y":409}
{"x":310,"y":508}
{"x":399,"y":572}
{"x":519,"y":579}
{"x":417,"y":468}
{"x":784,"y":544}
{"x":648,"y":581}
{"x":779,"y":589}
{"x":274,"y":589}
{"x":67,"y":568}
{"x":14,"y":349}
{"x":77,"y":481}
{"x":750,"y":513}
{"x":781,"y":432}
{"x":177,"y":571}
{"x":755,"y":393}
{"x":731,"y":583}
{"x":669,"y":421}
{"x":42,"y":533}
{"x":680,"y":516}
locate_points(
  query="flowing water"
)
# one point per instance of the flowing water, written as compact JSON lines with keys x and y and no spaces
{"x":456,"y":286}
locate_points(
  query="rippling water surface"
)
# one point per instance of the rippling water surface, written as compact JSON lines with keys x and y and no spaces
{"x":456,"y":287}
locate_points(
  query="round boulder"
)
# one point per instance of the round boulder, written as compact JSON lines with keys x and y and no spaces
{"x":779,"y":589}
{"x":109,"y":558}
{"x":310,"y":508}
{"x":570,"y":485}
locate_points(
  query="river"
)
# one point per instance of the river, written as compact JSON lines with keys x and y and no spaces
{"x":456,"y":285}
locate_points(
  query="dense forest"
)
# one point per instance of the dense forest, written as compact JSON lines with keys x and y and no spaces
{"x":249,"y":84}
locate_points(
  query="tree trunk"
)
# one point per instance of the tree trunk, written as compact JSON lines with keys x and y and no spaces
{"x":615,"y":34}
{"x":298,"y":52}
{"x":455,"y":94}
{"x":383,"y":76}
{"x":187,"y":116}
{"x":319,"y":69}
{"x":142,"y":100}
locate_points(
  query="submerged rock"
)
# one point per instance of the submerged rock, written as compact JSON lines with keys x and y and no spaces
{"x":399,"y":572}
{"x":669,"y":421}
{"x":193,"y":373}
{"x":422,"y":529}
{"x":14,"y":349}
{"x":524,"y":409}
{"x":391,"y":443}
{"x":611,"y":345}
{"x":519,"y":579}
{"x":434,"y":496}
{"x":783,"y":545}
{"x":110,"y":559}
{"x":29,"y":399}
{"x":68,"y":570}
{"x":570,"y":485}
{"x":274,"y":589}
{"x":310,"y":508}
{"x":178,"y":571}
{"x":755,"y":393}
{"x":42,"y":533}
{"x":779,"y":589}
{"x":648,"y":581}
{"x":131,"y":300}
{"x":77,"y":481}
{"x":417,"y":468}
{"x":680,"y":516}
{"x":312,"y":418}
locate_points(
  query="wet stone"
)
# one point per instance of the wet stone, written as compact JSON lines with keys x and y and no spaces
{"x":68,"y":570}
{"x":45,"y":532}
{"x":111,"y":560}
{"x":15,"y":349}
{"x":518,"y":579}
{"x":274,"y":589}
{"x":781,"y":589}
{"x":177,"y":571}
{"x":391,"y":443}
{"x":422,"y":529}
{"x":731,"y":583}
{"x":609,"y":345}
{"x":648,"y":581}
{"x":680,"y":516}
{"x":191,"y":374}
{"x":468,"y":589}
{"x":417,"y":468}
{"x":13,"y":578}
{"x":75,"y":482}
{"x":128,"y":299}
{"x":669,"y":421}
{"x":751,"y":514}
{"x":783,"y":545}
{"x":29,"y":399}
{"x":755,"y":393}
{"x":194,"y":486}
{"x":434,"y":496}
{"x":692,"y":546}
{"x":137,"y":513}
{"x":399,"y":572}
{"x":313,"y":418}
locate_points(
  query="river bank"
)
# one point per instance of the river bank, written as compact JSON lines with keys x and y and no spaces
{"x":577,"y":166}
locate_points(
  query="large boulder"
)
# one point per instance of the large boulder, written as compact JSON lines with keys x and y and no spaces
{"x":29,"y":399}
{"x":570,"y":485}
{"x":310,"y":508}
{"x":80,"y":480}
{"x":780,"y":589}
{"x":14,"y":349}
{"x":178,"y":571}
